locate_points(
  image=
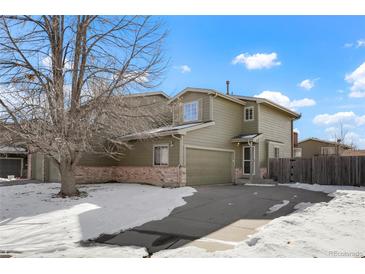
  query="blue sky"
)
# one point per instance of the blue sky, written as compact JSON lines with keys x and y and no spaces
{"x":270,"y":56}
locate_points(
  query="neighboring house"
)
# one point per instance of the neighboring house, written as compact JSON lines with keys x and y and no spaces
{"x":316,"y":147}
{"x":45,"y":168}
{"x":13,"y":162}
{"x":350,"y":152}
{"x":214,"y":138}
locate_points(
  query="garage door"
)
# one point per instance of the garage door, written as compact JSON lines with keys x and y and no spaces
{"x":205,"y":167}
{"x":10,"y":166}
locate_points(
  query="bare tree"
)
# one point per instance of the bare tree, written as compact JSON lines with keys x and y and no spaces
{"x":62,"y":81}
{"x":340,"y":135}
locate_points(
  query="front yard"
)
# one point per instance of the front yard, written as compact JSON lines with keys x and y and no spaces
{"x":33,"y":224}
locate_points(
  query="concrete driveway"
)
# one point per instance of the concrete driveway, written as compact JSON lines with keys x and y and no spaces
{"x":215,"y":217}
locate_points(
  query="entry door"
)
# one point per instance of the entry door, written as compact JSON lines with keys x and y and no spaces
{"x":247,"y":157}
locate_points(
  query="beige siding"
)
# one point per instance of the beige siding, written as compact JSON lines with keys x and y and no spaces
{"x":204,"y":106}
{"x":251,"y":126}
{"x":274,"y":126}
{"x":141,"y":153}
{"x":37,"y":166}
{"x":227,"y":125}
{"x":89,"y":159}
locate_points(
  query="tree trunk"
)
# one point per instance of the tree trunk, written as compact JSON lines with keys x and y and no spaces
{"x":68,"y":181}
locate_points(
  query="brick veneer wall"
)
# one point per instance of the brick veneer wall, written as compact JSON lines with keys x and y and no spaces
{"x":158,"y":176}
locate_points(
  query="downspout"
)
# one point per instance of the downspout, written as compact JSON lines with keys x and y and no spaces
{"x":179,"y":165}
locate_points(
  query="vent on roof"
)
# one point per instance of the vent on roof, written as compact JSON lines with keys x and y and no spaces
{"x":227,"y":84}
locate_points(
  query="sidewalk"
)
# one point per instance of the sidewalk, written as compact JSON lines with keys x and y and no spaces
{"x":229,"y":236}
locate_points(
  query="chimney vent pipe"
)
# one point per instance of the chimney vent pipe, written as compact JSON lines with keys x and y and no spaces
{"x":227,"y":83}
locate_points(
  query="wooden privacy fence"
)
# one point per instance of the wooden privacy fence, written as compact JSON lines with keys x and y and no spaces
{"x":324,"y":170}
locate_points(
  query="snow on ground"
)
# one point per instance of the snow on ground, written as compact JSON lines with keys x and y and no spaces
{"x":322,"y":188}
{"x":32,"y":223}
{"x":333,"y":229}
{"x":277,"y":207}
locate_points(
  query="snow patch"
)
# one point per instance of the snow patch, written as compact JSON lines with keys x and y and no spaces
{"x":302,"y":206}
{"x":323,"y":188}
{"x":277,"y":207}
{"x":32,"y":223}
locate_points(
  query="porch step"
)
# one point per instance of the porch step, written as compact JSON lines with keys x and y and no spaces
{"x":258,"y":181}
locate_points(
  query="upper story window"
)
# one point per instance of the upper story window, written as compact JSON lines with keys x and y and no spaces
{"x":249,"y":113}
{"x":328,"y":150}
{"x":191,"y":111}
{"x":161,"y":155}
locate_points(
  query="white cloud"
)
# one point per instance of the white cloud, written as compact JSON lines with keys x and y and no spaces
{"x":307,"y":84}
{"x":357,"y":81}
{"x":360,"y":43}
{"x":257,"y":60}
{"x":183,"y":68}
{"x":354,"y":138}
{"x":296,"y":130}
{"x":348,"y":117}
{"x":283,"y":100}
{"x":47,"y":62}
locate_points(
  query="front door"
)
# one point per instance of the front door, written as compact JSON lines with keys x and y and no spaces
{"x":248,"y":159}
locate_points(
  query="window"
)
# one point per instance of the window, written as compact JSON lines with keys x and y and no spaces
{"x":297,"y":152}
{"x":247,"y":160}
{"x":328,"y":150}
{"x":161,"y":155}
{"x":276,"y":152}
{"x":249,"y":114}
{"x":191,"y":111}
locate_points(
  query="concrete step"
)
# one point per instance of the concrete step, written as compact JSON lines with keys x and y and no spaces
{"x":257,"y":181}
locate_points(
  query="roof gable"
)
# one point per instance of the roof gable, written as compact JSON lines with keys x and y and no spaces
{"x":324,"y":142}
{"x":206,"y":91}
{"x":259,"y":100}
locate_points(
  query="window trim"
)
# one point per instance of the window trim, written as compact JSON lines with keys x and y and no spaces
{"x":195,"y":102}
{"x":298,"y":149}
{"x":243,"y":160}
{"x":332,"y":147}
{"x":168,"y":154}
{"x":253,"y":113}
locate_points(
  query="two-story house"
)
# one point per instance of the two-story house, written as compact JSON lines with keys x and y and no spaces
{"x":214,"y":138}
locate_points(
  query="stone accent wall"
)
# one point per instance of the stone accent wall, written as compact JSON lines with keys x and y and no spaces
{"x":158,"y":176}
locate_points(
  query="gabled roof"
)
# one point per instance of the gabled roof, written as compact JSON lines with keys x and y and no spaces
{"x":150,"y":93}
{"x":324,"y":141}
{"x":207,"y":91}
{"x":259,"y":100}
{"x":167,"y":131}
{"x":12,"y":150}
{"x":244,"y":138}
